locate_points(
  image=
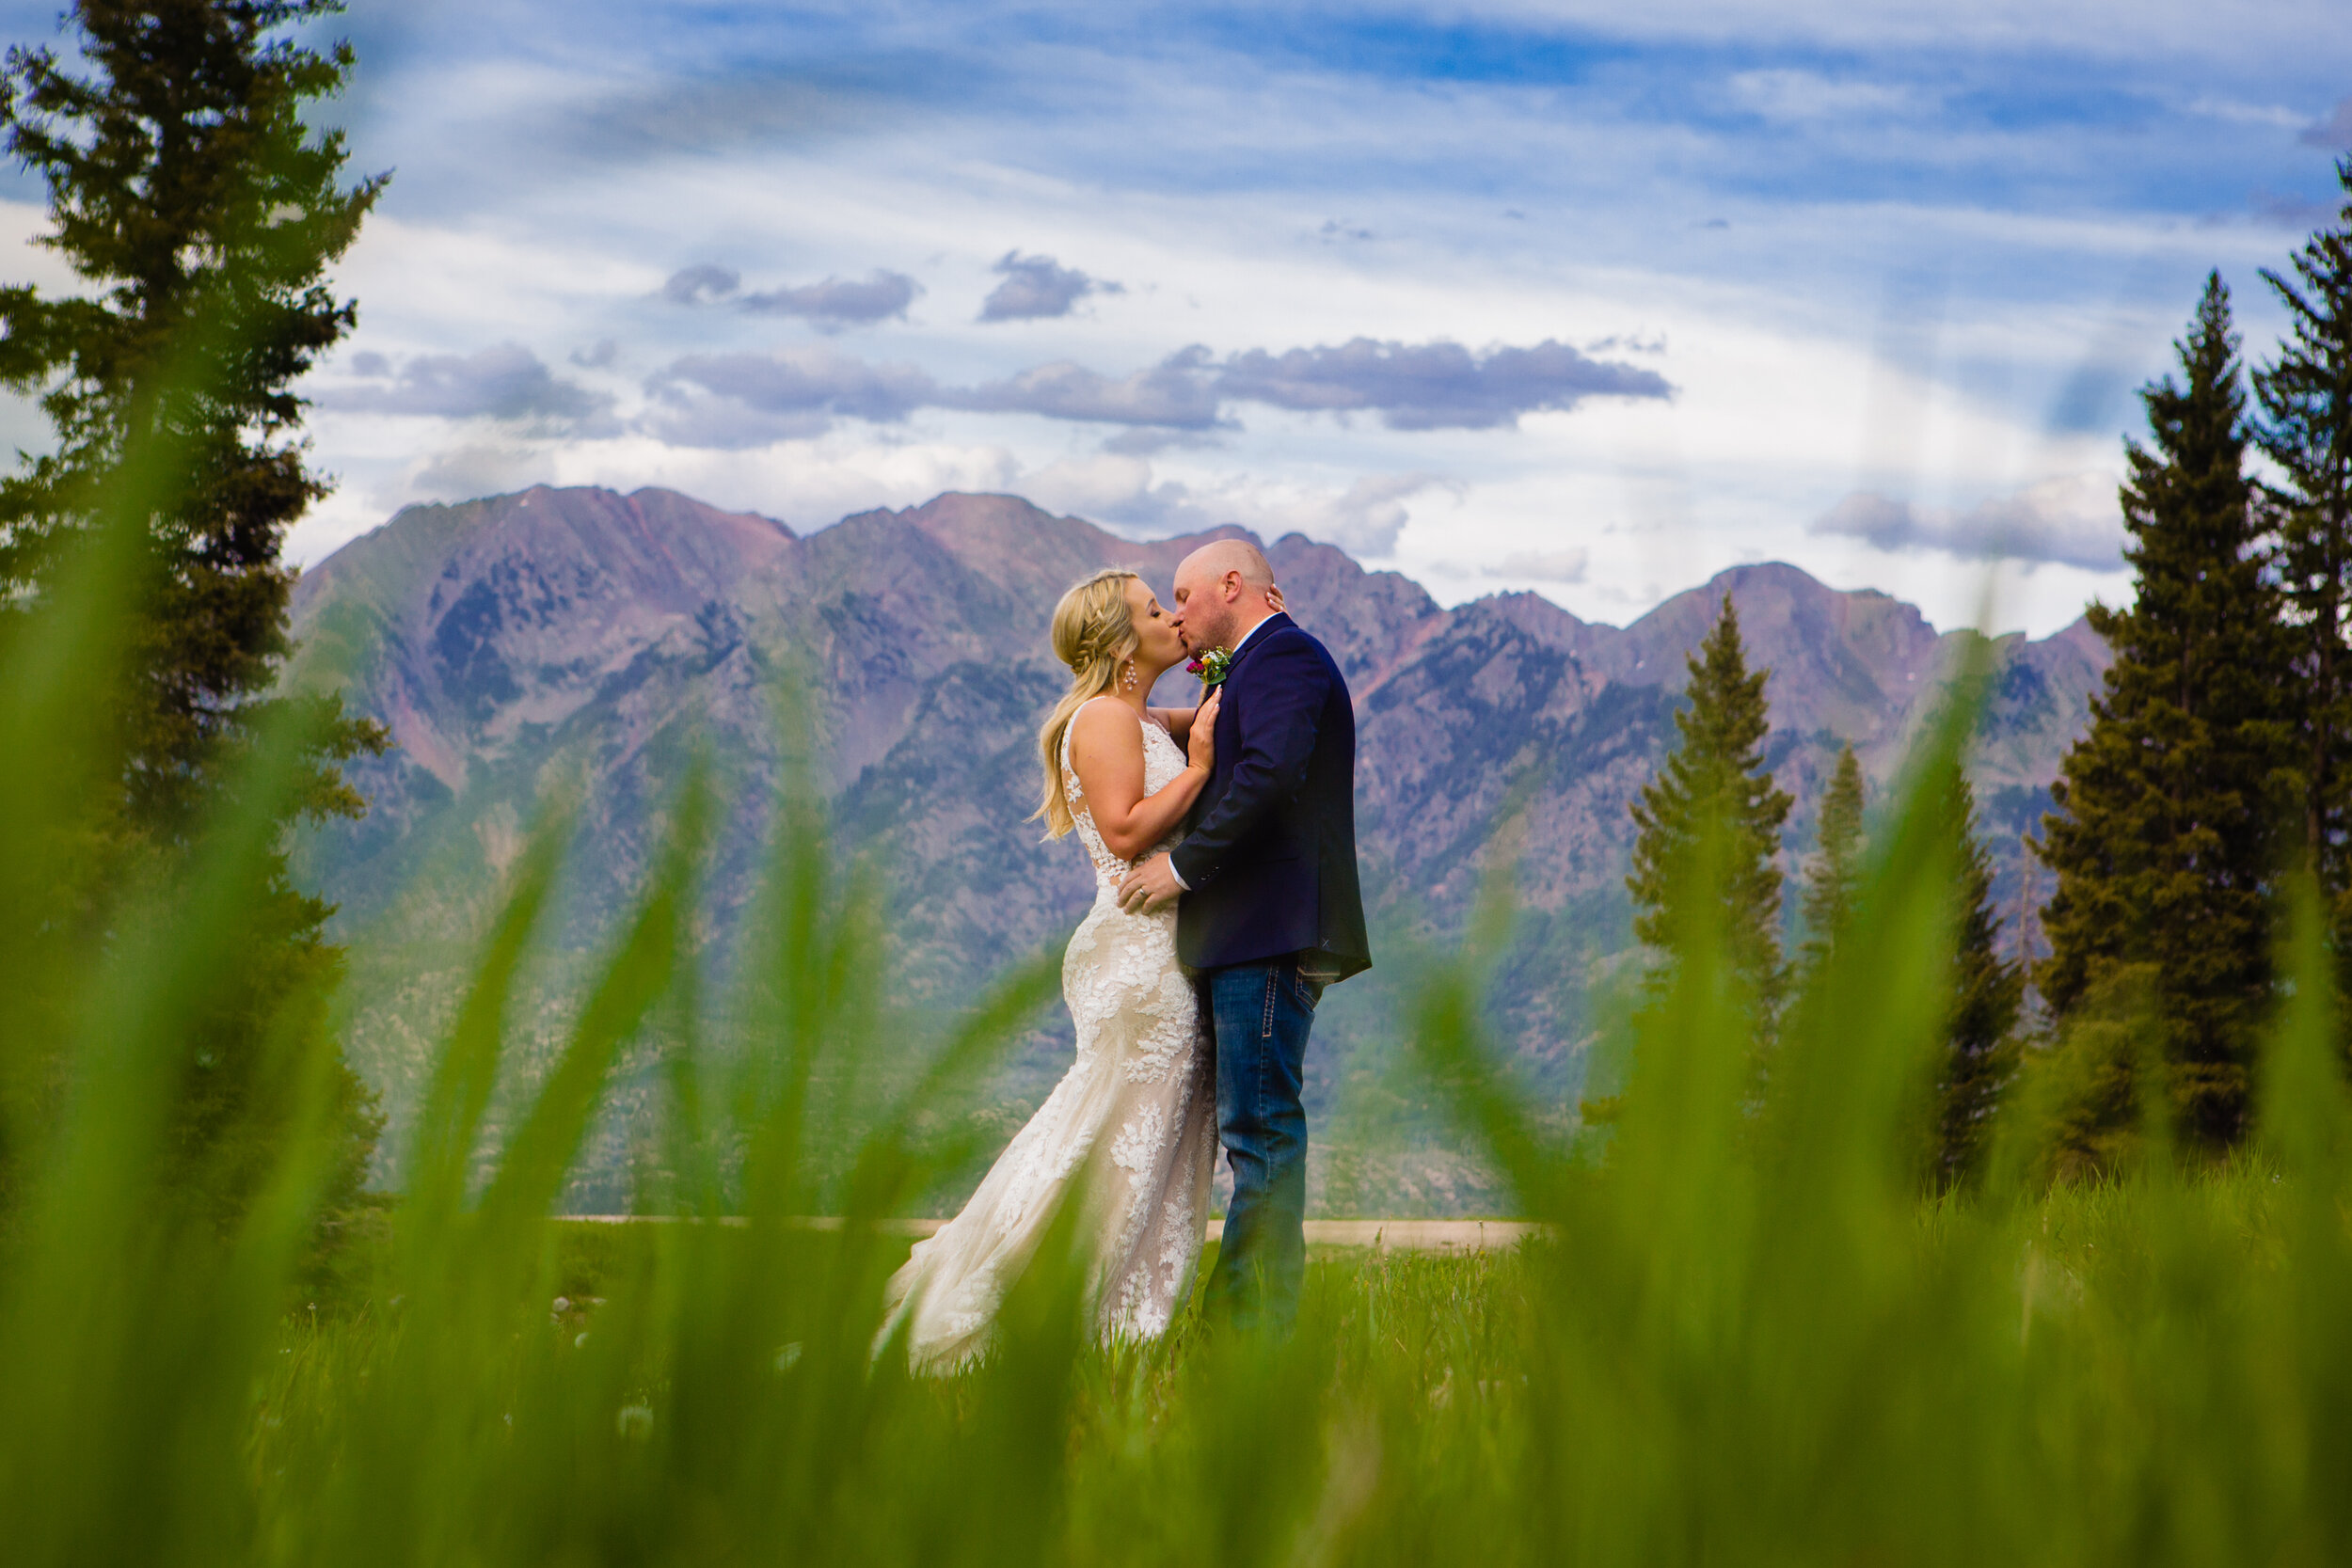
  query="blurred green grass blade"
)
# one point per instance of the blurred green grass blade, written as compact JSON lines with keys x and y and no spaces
{"x":449,"y":1118}
{"x":887,"y":1166}
{"x":531,"y":1171}
{"x":1848,"y":1098}
{"x":1447,"y":1004}
{"x":1444,"y":1025}
{"x":126,"y":1334}
{"x":1686,"y":1097}
{"x":808,"y":996}
{"x":2304,"y":1113}
{"x":62,"y":660}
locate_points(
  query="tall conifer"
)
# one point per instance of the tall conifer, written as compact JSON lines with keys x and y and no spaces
{"x":2164,"y":841}
{"x":1829,"y":880}
{"x":1714,"y":781}
{"x":2306,"y":429}
{"x":1980,"y":1051}
{"x":199,"y":212}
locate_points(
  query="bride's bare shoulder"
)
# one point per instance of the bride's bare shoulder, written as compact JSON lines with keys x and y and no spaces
{"x":1105,"y":721}
{"x":1105,"y":733}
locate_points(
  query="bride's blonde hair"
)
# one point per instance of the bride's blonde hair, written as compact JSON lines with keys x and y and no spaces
{"x":1094,"y":633}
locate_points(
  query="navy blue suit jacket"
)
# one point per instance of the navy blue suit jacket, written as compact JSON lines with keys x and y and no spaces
{"x":1270,"y":858}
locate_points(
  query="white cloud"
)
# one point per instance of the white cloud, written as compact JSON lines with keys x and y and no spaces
{"x":2232,"y":111}
{"x":703,"y":282}
{"x":840,"y":303}
{"x":505,"y":381}
{"x":1106,"y":485}
{"x":1037,"y":287}
{"x":1363,"y":517}
{"x":2073,"y":520}
{"x":1805,"y":95}
{"x":1561,"y":566}
{"x":462,"y":473}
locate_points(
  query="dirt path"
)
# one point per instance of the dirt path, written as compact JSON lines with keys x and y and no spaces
{"x":1384,"y":1235}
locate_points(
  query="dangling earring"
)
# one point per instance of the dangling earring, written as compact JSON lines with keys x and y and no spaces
{"x":1127,"y":676}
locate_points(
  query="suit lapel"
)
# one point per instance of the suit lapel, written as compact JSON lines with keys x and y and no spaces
{"x":1228,"y":718}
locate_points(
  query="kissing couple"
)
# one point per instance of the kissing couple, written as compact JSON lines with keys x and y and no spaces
{"x":1223,"y":839}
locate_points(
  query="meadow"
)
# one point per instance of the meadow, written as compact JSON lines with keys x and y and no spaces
{"x":1749,"y":1334}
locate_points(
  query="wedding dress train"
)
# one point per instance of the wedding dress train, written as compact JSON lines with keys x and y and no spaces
{"x":1134,"y":1122}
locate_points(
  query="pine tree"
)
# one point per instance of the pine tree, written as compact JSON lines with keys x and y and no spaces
{"x":1714,"y":783}
{"x":1980,"y":1051}
{"x":1829,"y":880}
{"x":2165,"y":837}
{"x":200,"y":213}
{"x":2306,"y":429}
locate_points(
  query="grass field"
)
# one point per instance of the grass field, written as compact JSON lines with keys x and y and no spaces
{"x":2120,"y":1374}
{"x":1748,"y":1340}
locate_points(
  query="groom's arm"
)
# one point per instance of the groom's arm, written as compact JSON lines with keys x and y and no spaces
{"x":1277,"y":726}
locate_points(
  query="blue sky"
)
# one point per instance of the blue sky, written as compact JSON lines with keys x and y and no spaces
{"x":1503,"y":295}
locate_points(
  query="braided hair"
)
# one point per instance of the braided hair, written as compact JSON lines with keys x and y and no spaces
{"x":1094,"y":633}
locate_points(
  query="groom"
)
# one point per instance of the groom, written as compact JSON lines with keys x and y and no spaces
{"x":1270,"y":912}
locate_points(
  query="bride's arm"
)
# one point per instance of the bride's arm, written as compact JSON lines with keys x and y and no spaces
{"x":1106,"y":753}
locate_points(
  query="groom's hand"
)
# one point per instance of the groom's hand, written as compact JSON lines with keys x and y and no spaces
{"x":1150,"y":887}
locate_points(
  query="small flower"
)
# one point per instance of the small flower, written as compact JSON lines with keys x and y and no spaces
{"x":1211,"y":665}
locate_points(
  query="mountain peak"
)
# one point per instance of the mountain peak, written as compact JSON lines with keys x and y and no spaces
{"x":597,"y":638}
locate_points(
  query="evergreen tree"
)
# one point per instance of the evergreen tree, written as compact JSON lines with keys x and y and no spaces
{"x":2164,"y":841}
{"x":1714,"y":783}
{"x":2306,"y":429}
{"x":200,"y":213}
{"x":1981,"y":1053}
{"x":1829,"y":880}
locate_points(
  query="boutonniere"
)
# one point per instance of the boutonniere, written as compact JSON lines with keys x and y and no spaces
{"x":1211,"y":665}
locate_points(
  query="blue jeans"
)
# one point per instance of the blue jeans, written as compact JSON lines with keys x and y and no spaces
{"x":1259,"y":1014}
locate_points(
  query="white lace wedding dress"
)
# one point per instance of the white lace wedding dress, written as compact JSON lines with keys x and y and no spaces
{"x":1130,"y":1132}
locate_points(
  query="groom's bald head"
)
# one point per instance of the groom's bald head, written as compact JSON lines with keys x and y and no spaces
{"x":1220,"y":556}
{"x":1221,"y":592}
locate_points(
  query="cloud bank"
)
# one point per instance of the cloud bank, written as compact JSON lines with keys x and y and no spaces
{"x":1365,"y":518}
{"x":1438,"y":386}
{"x":841,"y":302}
{"x":747,"y":400}
{"x":1178,"y":393}
{"x":830,"y":306}
{"x":2071,"y":521}
{"x":1567,"y":565}
{"x":503,"y":382}
{"x":1432,"y":386}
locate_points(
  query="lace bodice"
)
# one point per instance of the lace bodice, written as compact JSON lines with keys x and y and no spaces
{"x":1162,"y":759}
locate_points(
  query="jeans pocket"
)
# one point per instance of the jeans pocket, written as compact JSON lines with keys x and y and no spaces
{"x":1306,"y":988}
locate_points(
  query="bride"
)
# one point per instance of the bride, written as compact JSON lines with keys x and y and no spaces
{"x":1130,"y":1132}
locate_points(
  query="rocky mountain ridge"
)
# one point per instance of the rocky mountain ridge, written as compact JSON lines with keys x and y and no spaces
{"x":589,"y":641}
